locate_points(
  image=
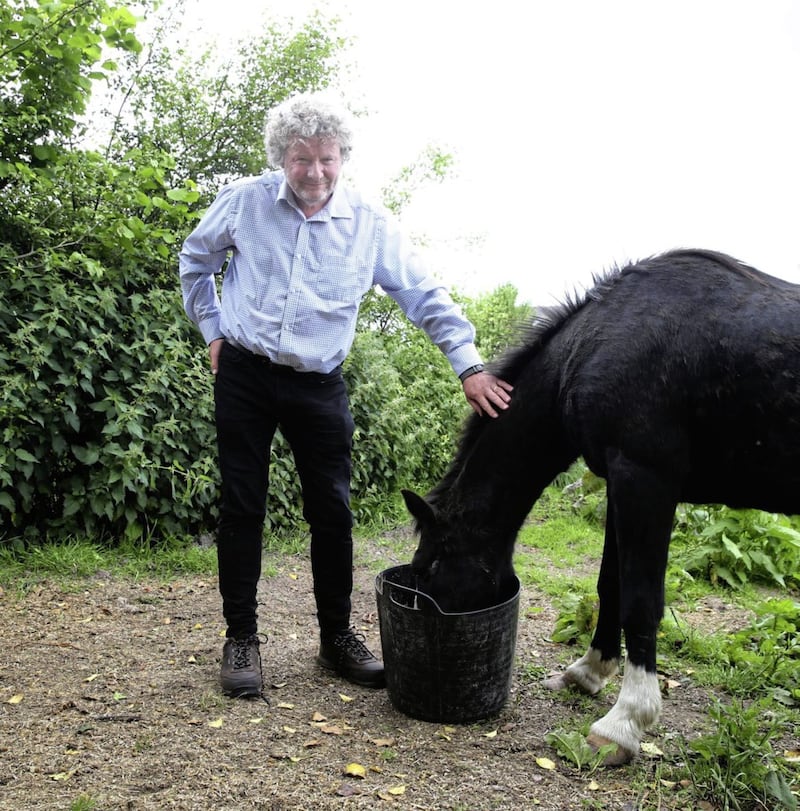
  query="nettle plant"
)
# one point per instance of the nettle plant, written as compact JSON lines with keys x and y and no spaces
{"x":736,"y":547}
{"x":769,"y":650}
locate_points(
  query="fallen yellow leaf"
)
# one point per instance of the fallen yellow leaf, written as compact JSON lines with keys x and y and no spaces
{"x":215,"y":724}
{"x":355,"y":770}
{"x":593,"y":785}
{"x":318,"y":716}
{"x":545,"y":763}
{"x":289,"y":730}
{"x":92,"y":677}
{"x":15,"y":699}
{"x":492,"y":734}
{"x":345,"y":698}
{"x":651,"y":749}
{"x":397,"y":790}
{"x":256,"y":721}
{"x":792,"y":755}
{"x":284,"y":705}
{"x":383,"y":741}
{"x":330,"y":729}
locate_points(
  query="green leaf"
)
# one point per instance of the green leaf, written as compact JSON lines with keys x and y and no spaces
{"x":777,"y":787}
{"x":86,"y":456}
{"x":731,"y":547}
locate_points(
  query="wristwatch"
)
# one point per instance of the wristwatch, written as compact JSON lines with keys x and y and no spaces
{"x":473,"y":370}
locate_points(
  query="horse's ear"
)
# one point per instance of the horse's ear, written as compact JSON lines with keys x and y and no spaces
{"x":421,"y":511}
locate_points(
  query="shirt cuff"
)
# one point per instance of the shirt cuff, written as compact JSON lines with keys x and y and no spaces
{"x":209,"y":329}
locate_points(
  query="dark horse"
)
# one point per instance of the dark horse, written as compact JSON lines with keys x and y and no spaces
{"x":677,"y":379}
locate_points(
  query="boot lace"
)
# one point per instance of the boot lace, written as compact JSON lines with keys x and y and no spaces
{"x":352,"y":644}
{"x":243,"y":650}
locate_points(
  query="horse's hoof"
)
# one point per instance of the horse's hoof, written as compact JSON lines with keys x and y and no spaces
{"x":618,"y":757}
{"x":557,"y":681}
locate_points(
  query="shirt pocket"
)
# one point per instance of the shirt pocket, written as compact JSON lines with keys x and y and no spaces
{"x":341,"y":278}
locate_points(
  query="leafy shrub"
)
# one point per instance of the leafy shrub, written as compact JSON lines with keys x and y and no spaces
{"x":105,"y":411}
{"x":106,"y":414}
{"x":735,"y":547}
{"x":577,"y":619}
{"x":769,"y":651}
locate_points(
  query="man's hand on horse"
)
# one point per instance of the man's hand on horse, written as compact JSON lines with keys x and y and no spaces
{"x":485,"y":393}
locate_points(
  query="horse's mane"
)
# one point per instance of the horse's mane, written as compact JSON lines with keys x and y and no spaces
{"x":546,"y":321}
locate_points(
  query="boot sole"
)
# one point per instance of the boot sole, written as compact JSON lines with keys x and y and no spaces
{"x":376,"y":683}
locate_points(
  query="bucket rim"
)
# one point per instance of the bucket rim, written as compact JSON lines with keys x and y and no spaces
{"x":381,"y":579}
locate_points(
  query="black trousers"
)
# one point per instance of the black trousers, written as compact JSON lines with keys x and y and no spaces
{"x":252,"y":399}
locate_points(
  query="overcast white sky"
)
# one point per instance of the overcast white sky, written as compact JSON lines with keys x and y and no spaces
{"x":586,"y":133}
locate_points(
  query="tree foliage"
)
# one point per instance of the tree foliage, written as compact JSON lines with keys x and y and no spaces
{"x":50,"y":55}
{"x":106,"y":413}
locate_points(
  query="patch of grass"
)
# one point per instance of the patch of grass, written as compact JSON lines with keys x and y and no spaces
{"x":75,"y":559}
{"x":287,"y":543}
{"x":557,"y":539}
{"x":535,"y":570}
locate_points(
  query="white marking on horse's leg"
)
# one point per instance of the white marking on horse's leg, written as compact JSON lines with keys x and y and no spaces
{"x":638,"y":707}
{"x":590,"y":673}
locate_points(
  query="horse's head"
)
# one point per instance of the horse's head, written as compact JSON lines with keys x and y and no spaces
{"x":454,"y":562}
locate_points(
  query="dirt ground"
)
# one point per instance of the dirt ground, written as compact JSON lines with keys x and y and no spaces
{"x":109,"y":700}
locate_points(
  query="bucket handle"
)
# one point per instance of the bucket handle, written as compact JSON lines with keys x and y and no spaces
{"x":418,"y":605}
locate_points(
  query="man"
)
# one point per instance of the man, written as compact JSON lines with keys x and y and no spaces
{"x":302,"y":250}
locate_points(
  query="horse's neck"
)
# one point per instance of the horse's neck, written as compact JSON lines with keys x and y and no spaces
{"x":508,"y":468}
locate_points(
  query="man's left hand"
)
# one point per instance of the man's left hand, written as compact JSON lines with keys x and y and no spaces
{"x":487,"y":393}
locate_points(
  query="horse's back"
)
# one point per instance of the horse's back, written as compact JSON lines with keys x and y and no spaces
{"x":690,"y":363}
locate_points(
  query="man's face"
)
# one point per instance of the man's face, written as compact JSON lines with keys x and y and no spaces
{"x":312,"y":168}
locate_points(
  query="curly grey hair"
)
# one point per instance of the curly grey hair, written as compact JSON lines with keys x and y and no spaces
{"x":307,"y":115}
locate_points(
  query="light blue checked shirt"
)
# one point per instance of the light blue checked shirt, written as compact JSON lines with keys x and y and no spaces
{"x":292,"y":287}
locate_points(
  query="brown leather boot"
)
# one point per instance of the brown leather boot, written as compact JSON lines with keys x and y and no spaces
{"x":240,"y":675}
{"x":347,"y":655}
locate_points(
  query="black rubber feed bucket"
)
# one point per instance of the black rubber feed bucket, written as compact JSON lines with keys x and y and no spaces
{"x":448,"y":668}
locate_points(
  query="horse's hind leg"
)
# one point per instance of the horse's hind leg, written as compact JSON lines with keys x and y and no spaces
{"x":592,"y":671}
{"x":643,"y":507}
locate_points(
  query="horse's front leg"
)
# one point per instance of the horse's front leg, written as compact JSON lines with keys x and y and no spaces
{"x":643,"y":506}
{"x":592,"y":671}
